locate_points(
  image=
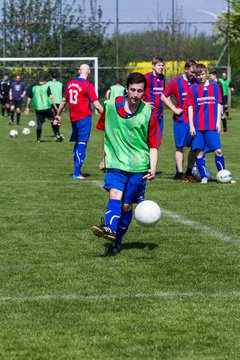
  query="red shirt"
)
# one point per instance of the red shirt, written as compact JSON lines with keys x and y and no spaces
{"x":178,"y":88}
{"x":79,"y":94}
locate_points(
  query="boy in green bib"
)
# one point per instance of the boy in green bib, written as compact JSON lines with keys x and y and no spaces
{"x":131,"y":141}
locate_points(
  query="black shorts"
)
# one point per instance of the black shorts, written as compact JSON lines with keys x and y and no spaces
{"x":43,"y":114}
{"x":16,"y":103}
{"x":54,"y":110}
{"x":5,"y":100}
{"x":225,"y":100}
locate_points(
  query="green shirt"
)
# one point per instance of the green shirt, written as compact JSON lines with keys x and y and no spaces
{"x":56,"y":88}
{"x":126,"y":140}
{"x":116,"y":90}
{"x":40,"y":97}
{"x":225,"y":85}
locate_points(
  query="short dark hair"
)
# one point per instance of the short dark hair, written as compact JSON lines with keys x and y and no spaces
{"x":157,"y":59}
{"x":119,"y":81}
{"x":213,"y":72}
{"x":136,"y":78}
{"x":189,"y":63}
{"x":54,"y":74}
{"x":199,"y":68}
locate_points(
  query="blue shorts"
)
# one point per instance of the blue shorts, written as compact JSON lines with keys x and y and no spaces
{"x":182,"y":137}
{"x":81,"y":130}
{"x":131,"y":184}
{"x":208,"y":140}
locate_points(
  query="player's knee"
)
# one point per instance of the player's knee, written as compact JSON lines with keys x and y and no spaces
{"x":218,"y":152}
{"x":115,"y":194}
{"x":126,"y":207}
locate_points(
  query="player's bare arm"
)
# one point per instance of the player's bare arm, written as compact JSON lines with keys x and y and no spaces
{"x":218,"y":124}
{"x":26,"y":111}
{"x":190,"y":116}
{"x":167,"y":101}
{"x":98,"y":106}
{"x":153,"y":164}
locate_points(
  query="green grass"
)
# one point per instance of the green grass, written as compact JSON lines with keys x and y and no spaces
{"x":172,"y":293}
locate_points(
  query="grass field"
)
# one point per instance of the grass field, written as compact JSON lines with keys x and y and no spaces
{"x":172,"y":293}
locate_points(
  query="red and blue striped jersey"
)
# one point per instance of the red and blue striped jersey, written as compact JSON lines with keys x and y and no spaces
{"x":205,"y":99}
{"x":178,"y":88}
{"x":154,"y":90}
{"x":154,"y":133}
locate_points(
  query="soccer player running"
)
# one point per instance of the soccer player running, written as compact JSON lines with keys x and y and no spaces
{"x":4,"y":94}
{"x":178,"y":88}
{"x":115,"y":90}
{"x":42,"y":103}
{"x":131,"y":142}
{"x":156,"y":83}
{"x":79,"y":94}
{"x":16,"y":94}
{"x":56,"y":89}
{"x":204,"y":107}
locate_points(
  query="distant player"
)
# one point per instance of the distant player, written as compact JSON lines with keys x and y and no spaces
{"x":130,"y":158}
{"x":178,"y":89}
{"x":16,"y":95}
{"x":79,"y":94}
{"x":214,"y":78}
{"x":204,"y":106}
{"x":156,"y":83}
{"x":226,"y":84}
{"x":4,"y":94}
{"x":42,"y":103}
{"x":57,"y":91}
{"x":115,"y":90}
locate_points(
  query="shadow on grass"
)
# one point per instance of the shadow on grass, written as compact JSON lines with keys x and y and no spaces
{"x":139,"y":245}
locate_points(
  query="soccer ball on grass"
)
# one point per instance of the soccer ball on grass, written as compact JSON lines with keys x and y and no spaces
{"x":31,"y":123}
{"x":147,"y":213}
{"x":13,"y":133}
{"x":224,"y":176}
{"x":26,"y":131}
{"x":197,"y":175}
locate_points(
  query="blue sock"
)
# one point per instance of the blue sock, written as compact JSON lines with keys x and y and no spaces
{"x":123,"y":225}
{"x":220,"y":163}
{"x":113,"y":213}
{"x":79,"y":152}
{"x":201,"y":167}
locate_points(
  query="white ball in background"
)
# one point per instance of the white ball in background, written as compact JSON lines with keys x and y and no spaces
{"x":31,"y":123}
{"x":26,"y":131}
{"x":13,"y":133}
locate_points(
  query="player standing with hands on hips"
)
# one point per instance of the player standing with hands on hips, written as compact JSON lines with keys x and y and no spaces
{"x":204,"y":108}
{"x":131,"y":141}
{"x":79,"y":94}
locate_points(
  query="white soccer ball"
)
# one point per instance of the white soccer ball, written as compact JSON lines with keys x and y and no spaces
{"x":31,"y":123}
{"x":26,"y":131}
{"x":197,"y":175}
{"x":147,"y":213}
{"x":224,"y":176}
{"x":209,"y":173}
{"x":13,"y":133}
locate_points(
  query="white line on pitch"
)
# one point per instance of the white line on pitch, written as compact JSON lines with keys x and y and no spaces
{"x":200,"y":227}
{"x":156,"y":295}
{"x":192,"y":224}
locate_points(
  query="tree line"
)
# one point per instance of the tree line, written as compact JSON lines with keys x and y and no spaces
{"x":42,"y":28}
